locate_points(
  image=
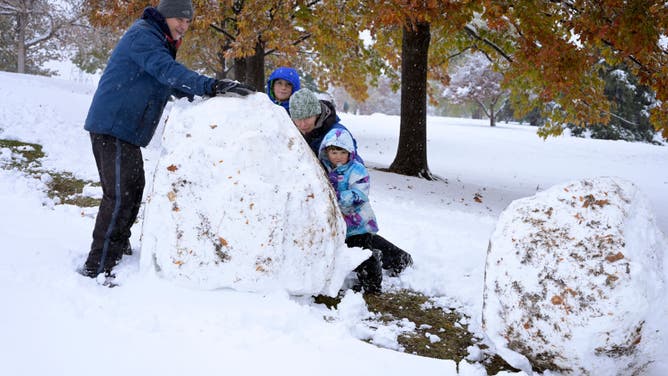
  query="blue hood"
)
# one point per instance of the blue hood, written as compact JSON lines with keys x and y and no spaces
{"x":340,"y":138}
{"x":284,"y":73}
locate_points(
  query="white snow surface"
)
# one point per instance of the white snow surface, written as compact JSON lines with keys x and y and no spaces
{"x":238,"y":200}
{"x":54,"y":321}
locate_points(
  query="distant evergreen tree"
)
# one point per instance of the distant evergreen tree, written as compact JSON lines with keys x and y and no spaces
{"x":534,"y":118}
{"x":507,"y":113}
{"x":630,"y":110}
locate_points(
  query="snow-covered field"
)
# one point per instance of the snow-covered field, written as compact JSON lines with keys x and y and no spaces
{"x":54,"y":321}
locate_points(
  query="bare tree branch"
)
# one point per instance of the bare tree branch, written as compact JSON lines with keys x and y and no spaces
{"x":489,"y":43}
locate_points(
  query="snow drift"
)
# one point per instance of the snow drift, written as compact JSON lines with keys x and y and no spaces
{"x":572,"y":275}
{"x":229,"y":162}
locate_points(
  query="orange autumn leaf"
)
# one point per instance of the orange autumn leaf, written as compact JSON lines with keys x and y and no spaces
{"x":616,"y":257}
{"x":601,"y":202}
{"x":222,"y":240}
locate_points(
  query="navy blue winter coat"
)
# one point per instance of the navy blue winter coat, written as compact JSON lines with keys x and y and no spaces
{"x":141,"y":75}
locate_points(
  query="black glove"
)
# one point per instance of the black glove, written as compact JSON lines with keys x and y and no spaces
{"x":230,"y":86}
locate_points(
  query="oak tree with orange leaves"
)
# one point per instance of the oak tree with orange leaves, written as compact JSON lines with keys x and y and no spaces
{"x":558,"y":49}
{"x":549,"y":51}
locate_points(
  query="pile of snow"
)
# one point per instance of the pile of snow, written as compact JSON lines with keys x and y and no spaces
{"x":239,"y":201}
{"x":572,"y":276}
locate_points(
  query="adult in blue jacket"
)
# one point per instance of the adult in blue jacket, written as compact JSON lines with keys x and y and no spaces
{"x":282,"y":83}
{"x":141,"y":75}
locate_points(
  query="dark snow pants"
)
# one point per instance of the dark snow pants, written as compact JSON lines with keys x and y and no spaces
{"x":385,"y":255}
{"x":370,"y":272}
{"x":121,"y":170}
{"x":395,"y":259}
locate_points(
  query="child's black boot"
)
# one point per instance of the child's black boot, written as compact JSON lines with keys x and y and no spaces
{"x":370,"y":273}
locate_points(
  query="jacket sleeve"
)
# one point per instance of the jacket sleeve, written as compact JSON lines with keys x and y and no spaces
{"x":149,"y":51}
{"x":358,"y":189}
{"x":182,"y":94}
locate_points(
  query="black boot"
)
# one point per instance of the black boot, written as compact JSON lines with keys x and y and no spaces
{"x":370,"y":274}
{"x":89,"y":270}
{"x":101,"y":262}
{"x":92,"y":270}
{"x":127,"y":248}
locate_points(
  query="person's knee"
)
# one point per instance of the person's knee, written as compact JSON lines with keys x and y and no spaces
{"x":397,"y":262}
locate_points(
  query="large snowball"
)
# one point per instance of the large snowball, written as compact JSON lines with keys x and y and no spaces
{"x":239,"y":201}
{"x":572,"y":275}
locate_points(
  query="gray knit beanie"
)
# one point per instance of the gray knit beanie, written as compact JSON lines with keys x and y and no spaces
{"x":176,"y":9}
{"x":304,"y":104}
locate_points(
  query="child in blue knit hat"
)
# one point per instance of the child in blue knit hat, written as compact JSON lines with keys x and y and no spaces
{"x":282,"y":83}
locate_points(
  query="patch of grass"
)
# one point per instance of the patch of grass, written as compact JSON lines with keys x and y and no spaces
{"x":30,"y":154}
{"x":439,"y":333}
{"x":430,"y":321}
{"x":69,"y":190}
{"x":328,"y":301}
{"x":62,"y":185}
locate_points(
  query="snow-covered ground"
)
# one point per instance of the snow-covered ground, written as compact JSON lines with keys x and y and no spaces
{"x":54,"y":321}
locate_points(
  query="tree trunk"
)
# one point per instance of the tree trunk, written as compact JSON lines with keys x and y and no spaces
{"x":255,"y":68}
{"x":21,"y":24}
{"x":493,"y":113}
{"x":239,"y":70}
{"x":411,"y":158}
{"x":220,"y":71}
{"x":250,"y":69}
